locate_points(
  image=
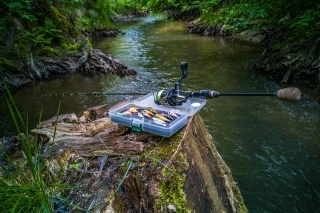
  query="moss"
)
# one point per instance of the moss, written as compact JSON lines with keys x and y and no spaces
{"x":74,"y":48}
{"x":63,"y":23}
{"x":48,"y":51}
{"x":64,"y":45}
{"x":171,"y":184}
{"x":70,"y":48}
{"x":238,"y":200}
{"x":8,"y":65}
{"x":88,"y":42}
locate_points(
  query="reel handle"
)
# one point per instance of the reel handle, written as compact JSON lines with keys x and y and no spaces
{"x":177,"y":85}
{"x":184,"y":68}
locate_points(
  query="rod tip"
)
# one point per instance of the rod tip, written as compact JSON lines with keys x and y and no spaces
{"x":290,"y":93}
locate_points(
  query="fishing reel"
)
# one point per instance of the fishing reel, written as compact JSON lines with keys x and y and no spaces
{"x":173,"y":97}
{"x":176,"y":97}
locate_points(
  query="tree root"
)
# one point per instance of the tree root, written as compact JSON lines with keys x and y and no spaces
{"x":291,"y":63}
{"x":209,"y":30}
{"x":101,"y":33}
{"x":89,"y":62}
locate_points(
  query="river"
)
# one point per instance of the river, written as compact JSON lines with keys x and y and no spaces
{"x":271,"y":146}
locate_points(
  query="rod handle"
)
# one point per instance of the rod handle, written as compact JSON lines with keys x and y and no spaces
{"x":205,"y":94}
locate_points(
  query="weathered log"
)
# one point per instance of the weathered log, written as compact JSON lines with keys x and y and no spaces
{"x":141,"y":172}
{"x":64,"y":118}
{"x":98,"y":111}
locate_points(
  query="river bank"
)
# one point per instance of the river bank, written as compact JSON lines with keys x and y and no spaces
{"x":295,"y":63}
{"x":87,"y":63}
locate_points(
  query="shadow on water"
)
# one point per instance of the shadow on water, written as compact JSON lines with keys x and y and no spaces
{"x":272,"y":146}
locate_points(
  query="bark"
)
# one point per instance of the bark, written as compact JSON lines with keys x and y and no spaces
{"x":125,"y":171}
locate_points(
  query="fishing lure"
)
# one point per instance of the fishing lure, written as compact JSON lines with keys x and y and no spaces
{"x":152,"y":110}
{"x":149,"y":112}
{"x":162,"y":118}
{"x":126,"y":113}
{"x":171,"y":114}
{"x":140,"y":115}
{"x":158,"y":121}
{"x":168,"y":116}
{"x":133,"y":109}
{"x":145,"y":114}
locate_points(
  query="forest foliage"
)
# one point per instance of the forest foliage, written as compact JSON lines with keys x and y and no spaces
{"x":46,"y":27}
{"x":49,"y":27}
{"x":300,"y":19}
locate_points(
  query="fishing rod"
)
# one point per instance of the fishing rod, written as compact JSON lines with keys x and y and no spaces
{"x":176,"y":97}
{"x":97,"y":94}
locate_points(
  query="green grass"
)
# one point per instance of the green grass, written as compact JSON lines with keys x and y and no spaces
{"x":25,"y":185}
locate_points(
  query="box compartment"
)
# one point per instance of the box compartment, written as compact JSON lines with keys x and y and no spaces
{"x":166,"y":129}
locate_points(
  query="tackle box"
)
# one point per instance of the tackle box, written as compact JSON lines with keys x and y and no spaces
{"x":152,"y":125}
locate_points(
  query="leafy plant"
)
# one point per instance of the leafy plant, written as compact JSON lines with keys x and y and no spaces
{"x":41,"y":39}
{"x":19,"y":8}
{"x":24,"y":184}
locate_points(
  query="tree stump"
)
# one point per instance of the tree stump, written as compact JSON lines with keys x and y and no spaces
{"x":124,"y":171}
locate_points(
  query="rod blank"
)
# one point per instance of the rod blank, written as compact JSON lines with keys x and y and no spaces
{"x":290,"y":93}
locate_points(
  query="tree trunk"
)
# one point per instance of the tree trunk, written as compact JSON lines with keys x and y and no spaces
{"x":124,"y":171}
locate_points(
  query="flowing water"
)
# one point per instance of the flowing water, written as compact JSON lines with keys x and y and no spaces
{"x":271,"y":146}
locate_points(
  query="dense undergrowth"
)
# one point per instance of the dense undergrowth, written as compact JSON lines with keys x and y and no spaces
{"x":46,"y":28}
{"x":301,"y":19}
{"x":50,"y":28}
